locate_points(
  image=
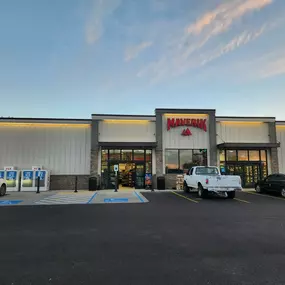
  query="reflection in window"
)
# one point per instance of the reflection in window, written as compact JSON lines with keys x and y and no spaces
{"x":179,"y":161}
{"x":127,"y":154}
{"x":254,"y":155}
{"x":242,"y":155}
{"x":114,"y":154}
{"x":148,"y":155}
{"x":104,"y":166}
{"x":222,"y":155}
{"x":263,"y":155}
{"x":148,"y":167}
{"x":231,"y":155}
{"x":171,"y":161}
{"x":104,"y":155}
{"x":186,"y":159}
{"x":139,"y":154}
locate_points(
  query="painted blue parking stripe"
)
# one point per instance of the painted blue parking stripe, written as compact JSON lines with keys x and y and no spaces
{"x":10,"y":202}
{"x":139,"y":197}
{"x":116,"y":200}
{"x":92,"y":198}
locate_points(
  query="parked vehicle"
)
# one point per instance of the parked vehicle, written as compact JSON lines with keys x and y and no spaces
{"x":3,"y":187}
{"x":272,"y":183}
{"x":208,"y":180}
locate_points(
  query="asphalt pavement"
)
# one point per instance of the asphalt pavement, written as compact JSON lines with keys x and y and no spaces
{"x":172,"y":239}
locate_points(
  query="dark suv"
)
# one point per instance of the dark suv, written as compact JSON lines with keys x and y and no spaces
{"x":272,"y":183}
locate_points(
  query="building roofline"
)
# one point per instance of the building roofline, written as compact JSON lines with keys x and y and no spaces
{"x":183,"y":110}
{"x":44,"y":120}
{"x":245,"y":119}
{"x":121,"y":115}
{"x":242,"y":117}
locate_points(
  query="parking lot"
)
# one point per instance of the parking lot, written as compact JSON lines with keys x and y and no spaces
{"x":175,"y":238}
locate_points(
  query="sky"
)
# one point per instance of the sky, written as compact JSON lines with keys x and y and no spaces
{"x":74,"y":58}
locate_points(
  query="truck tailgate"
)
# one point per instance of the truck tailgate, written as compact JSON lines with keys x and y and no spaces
{"x":224,"y":181}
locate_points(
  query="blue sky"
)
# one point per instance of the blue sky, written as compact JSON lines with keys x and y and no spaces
{"x":72,"y":58}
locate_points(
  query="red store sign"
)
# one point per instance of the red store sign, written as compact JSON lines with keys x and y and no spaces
{"x":195,"y":123}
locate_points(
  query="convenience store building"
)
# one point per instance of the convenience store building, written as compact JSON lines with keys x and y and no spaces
{"x":164,"y":144}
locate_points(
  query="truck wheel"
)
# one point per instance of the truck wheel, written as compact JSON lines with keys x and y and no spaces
{"x":232,"y":194}
{"x":3,"y":190}
{"x":202,"y":193}
{"x":186,"y":188}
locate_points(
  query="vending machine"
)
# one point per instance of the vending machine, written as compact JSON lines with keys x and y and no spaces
{"x":30,"y":177}
{"x":12,"y":177}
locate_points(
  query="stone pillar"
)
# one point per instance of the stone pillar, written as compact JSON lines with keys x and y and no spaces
{"x":95,"y":150}
{"x":274,"y":160}
{"x":273,"y":152}
{"x":159,"y":147}
{"x":212,"y":138}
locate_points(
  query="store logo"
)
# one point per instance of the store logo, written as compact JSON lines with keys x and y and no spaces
{"x":195,"y":123}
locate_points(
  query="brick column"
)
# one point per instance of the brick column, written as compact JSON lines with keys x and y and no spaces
{"x":159,"y":148}
{"x":212,"y":138}
{"x":273,"y":152}
{"x":94,"y":155}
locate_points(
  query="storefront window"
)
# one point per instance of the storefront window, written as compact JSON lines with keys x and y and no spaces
{"x":263,"y":155}
{"x":200,"y":157}
{"x":148,"y":167}
{"x":186,"y":159}
{"x":127,"y":155}
{"x":222,"y":155}
{"x":231,"y":155}
{"x":114,"y":154}
{"x":104,"y":155}
{"x":104,"y":166}
{"x":148,"y":155}
{"x":242,"y":155}
{"x":179,"y":161}
{"x":139,"y":154}
{"x":171,"y":161}
{"x":254,"y":155}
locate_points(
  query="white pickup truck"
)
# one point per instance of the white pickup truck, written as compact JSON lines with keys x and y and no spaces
{"x":208,"y":180}
{"x":3,"y":187}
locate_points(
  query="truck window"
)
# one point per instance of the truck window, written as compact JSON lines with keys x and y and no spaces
{"x":191,"y":171}
{"x":207,"y":171}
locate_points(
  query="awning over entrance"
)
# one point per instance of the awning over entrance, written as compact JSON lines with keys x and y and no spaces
{"x":248,"y":145}
{"x":128,"y":145}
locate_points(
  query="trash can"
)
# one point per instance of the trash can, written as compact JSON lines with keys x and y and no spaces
{"x":160,"y":183}
{"x":92,"y":183}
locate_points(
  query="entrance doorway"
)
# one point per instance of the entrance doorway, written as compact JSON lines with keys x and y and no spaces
{"x":134,"y":165}
{"x":250,"y":173}
{"x":126,"y":179}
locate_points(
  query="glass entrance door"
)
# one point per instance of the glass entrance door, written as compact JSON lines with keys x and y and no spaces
{"x":248,"y":172}
{"x":112,"y":175}
{"x":140,"y":176}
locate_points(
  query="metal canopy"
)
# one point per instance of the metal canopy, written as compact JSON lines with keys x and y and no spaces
{"x":248,"y":145}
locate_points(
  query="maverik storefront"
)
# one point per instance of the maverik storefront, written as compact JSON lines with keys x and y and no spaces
{"x":144,"y":147}
{"x":174,"y":140}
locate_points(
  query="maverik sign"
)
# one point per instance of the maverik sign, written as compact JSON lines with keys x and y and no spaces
{"x":195,"y":123}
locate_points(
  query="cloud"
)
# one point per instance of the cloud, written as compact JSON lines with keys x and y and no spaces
{"x":221,"y":18}
{"x":94,"y":28}
{"x":134,"y":51}
{"x":190,"y":47}
{"x":238,"y":41}
{"x":273,"y":65}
